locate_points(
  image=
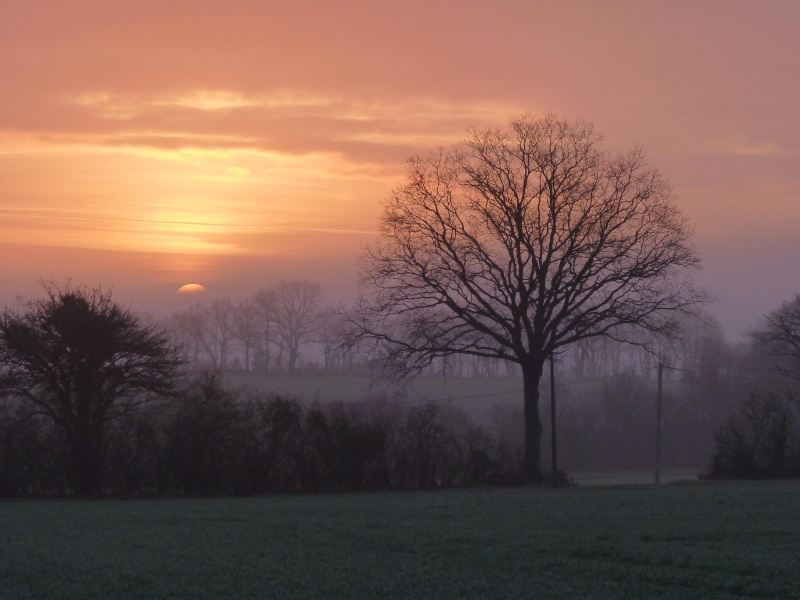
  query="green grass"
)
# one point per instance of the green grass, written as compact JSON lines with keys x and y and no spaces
{"x":632,"y":477}
{"x":698,"y":540}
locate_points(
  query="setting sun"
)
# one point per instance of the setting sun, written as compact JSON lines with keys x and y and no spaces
{"x":192,"y":288}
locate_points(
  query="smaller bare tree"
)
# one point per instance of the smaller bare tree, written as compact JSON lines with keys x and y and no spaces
{"x":246,"y":328}
{"x":219,"y":331}
{"x":297,"y":308}
{"x":781,"y":336}
{"x":264,"y":303}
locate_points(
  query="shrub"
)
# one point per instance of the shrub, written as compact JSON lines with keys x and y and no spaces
{"x":762,"y":441}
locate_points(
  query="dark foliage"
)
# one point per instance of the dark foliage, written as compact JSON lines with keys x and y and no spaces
{"x":80,"y":361}
{"x":213,"y":440}
{"x":761,"y":442}
{"x":780,"y":336}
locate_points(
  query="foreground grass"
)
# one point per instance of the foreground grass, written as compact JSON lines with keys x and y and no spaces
{"x":699,"y":540}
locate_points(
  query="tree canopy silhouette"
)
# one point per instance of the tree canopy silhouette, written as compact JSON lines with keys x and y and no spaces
{"x":781,"y":335}
{"x":518,"y":242}
{"x":82,"y":360}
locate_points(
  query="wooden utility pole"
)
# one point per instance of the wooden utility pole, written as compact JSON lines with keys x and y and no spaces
{"x":658,"y":422}
{"x":553,"y":419}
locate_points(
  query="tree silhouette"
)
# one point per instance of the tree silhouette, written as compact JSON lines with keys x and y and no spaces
{"x":781,"y":335}
{"x":297,"y":306}
{"x":80,"y":359}
{"x":519,"y":242}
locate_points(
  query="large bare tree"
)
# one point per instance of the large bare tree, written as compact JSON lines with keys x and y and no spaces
{"x":518,"y":242}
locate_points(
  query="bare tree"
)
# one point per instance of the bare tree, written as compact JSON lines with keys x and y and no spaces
{"x":246,"y":328}
{"x":219,"y":330}
{"x":297,"y":308}
{"x":82,"y":361}
{"x":264,"y":301}
{"x":781,"y":335}
{"x":519,"y":242}
{"x":185,"y":328}
{"x":330,"y":334}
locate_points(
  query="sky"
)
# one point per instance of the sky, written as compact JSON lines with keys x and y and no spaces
{"x":147,"y":144}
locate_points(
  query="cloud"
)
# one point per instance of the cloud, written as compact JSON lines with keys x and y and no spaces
{"x":285,"y":120}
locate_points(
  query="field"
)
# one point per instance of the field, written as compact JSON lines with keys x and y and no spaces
{"x":474,"y":395}
{"x":689,"y":540}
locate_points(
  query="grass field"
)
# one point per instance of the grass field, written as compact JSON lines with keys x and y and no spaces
{"x":696,"y":540}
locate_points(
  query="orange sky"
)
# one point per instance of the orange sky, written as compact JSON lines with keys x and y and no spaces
{"x":144,"y":145}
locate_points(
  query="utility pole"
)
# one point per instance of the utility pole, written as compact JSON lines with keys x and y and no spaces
{"x":553,"y":419}
{"x":658,"y":422}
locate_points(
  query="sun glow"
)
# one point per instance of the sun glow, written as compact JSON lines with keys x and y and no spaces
{"x":192,"y":288}
{"x":162,"y":175}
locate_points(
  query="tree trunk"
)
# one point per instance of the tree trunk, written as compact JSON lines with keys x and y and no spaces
{"x":266,"y":348}
{"x":294,"y":353}
{"x":532,"y":468}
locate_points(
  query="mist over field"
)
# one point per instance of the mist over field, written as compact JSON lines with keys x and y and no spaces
{"x":606,"y":392}
{"x":274,"y":400}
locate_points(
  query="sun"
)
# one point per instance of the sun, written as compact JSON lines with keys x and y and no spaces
{"x":192,"y":288}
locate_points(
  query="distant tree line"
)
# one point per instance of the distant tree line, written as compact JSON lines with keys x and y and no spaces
{"x":94,"y":401}
{"x":284,"y":327}
{"x":291,"y":327}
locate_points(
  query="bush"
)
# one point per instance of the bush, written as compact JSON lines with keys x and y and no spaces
{"x":213,"y":440}
{"x":761,"y":442}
